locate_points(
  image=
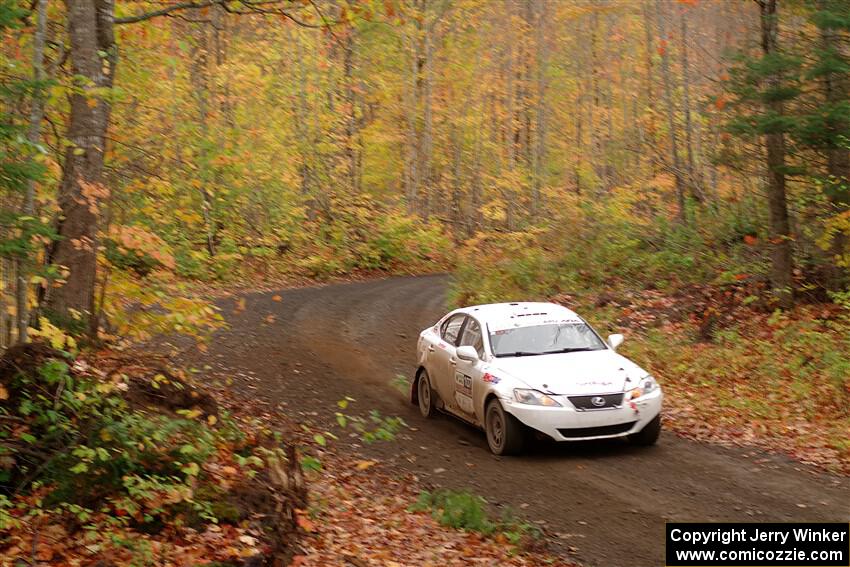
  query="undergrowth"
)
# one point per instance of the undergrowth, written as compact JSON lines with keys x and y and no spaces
{"x":463,"y":510}
{"x":88,"y":454}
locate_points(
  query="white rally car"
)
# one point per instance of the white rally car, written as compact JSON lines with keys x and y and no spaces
{"x":511,"y":368}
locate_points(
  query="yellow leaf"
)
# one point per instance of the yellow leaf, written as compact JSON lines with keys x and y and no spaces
{"x":4,"y":393}
{"x":211,"y":419}
{"x":363,"y":465}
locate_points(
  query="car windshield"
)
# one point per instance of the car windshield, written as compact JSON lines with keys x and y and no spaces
{"x":545,"y":339}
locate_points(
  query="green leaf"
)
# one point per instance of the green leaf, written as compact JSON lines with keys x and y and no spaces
{"x":192,"y":469}
{"x":309,"y":463}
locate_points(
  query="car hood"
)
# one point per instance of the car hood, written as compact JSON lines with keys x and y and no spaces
{"x":574,"y":373}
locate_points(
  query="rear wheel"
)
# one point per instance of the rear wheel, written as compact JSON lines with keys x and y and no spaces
{"x":425,"y":394}
{"x":505,"y":434}
{"x":649,"y":434}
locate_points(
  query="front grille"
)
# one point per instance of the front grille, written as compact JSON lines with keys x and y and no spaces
{"x":596,"y":431}
{"x":586,"y":402}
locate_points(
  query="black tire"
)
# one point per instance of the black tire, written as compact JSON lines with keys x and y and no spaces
{"x":505,"y":434}
{"x":649,"y":434}
{"x":426,"y":395}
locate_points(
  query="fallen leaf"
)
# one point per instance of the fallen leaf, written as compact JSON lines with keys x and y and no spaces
{"x":306,"y":523}
{"x":363,"y":465}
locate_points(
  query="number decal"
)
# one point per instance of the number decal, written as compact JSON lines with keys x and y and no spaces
{"x":463,"y":391}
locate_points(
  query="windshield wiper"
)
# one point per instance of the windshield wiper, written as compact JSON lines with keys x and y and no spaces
{"x":519,"y":353}
{"x":569,"y":349}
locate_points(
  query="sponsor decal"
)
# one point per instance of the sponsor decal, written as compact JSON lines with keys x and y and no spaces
{"x":529,"y":321}
{"x":491,"y":379}
{"x":594,"y":383}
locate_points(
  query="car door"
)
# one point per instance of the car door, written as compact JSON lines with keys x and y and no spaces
{"x":468,"y":385}
{"x":442,"y":360}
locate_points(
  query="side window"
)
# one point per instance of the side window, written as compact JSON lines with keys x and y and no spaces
{"x":472,"y":337}
{"x":451,"y":328}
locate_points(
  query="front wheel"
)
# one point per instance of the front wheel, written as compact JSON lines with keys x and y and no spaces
{"x":649,"y":434}
{"x":505,"y":434}
{"x":425,"y":394}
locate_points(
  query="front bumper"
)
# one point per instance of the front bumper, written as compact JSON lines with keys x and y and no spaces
{"x":566,"y":423}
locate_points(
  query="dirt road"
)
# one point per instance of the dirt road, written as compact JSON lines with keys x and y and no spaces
{"x":606,"y":503}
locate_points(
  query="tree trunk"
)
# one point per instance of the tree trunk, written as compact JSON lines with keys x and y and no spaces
{"x":539,"y":154}
{"x":412,"y":139}
{"x":780,"y":232}
{"x":350,"y":150}
{"x":22,"y":267}
{"x":579,"y":145}
{"x":671,"y":121}
{"x":93,"y":58}
{"x":650,"y":81}
{"x":428,"y":119}
{"x":694,"y":177}
{"x":302,"y":126}
{"x":199,"y":75}
{"x":414,"y":126}
{"x":595,"y":141}
{"x":838,"y":157}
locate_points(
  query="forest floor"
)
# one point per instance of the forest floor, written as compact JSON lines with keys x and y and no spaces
{"x":302,"y":351}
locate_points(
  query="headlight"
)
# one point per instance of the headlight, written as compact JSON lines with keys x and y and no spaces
{"x":534,"y":398}
{"x":647,"y":386}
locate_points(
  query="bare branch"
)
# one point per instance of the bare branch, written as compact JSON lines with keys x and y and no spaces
{"x":166,"y":11}
{"x":241,"y":7}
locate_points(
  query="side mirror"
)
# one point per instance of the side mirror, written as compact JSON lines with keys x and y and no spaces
{"x":615,"y":340}
{"x":467,"y":353}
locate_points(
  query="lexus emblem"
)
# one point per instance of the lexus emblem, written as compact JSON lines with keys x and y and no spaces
{"x":598,"y":401}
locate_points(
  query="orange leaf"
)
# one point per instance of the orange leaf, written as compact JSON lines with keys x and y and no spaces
{"x":277,"y":298}
{"x":306,"y":523}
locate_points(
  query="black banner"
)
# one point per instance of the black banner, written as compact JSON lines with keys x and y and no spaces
{"x":758,"y":545}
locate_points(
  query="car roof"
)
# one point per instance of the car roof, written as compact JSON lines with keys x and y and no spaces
{"x":500,"y":316}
